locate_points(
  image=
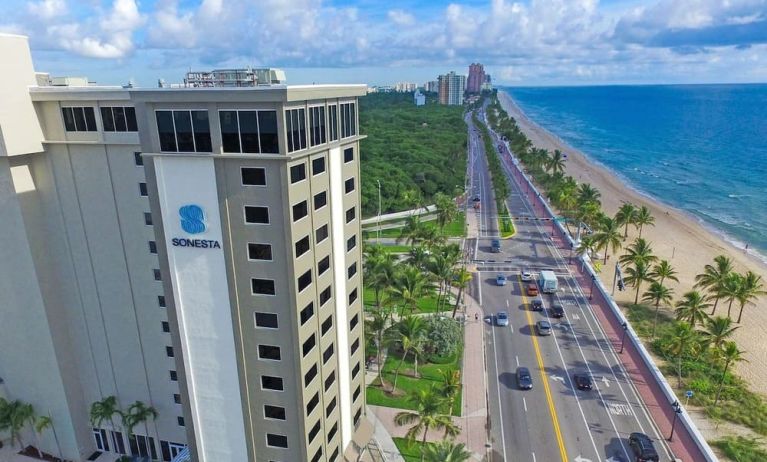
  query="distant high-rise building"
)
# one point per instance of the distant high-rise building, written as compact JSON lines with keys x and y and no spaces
{"x":246,"y":77}
{"x":451,"y":88}
{"x":476,"y":78}
{"x":487,"y":85}
{"x":404,"y":87}
{"x":419,"y":98}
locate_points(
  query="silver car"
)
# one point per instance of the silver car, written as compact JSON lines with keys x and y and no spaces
{"x":502,"y":318}
{"x":543,"y":328}
{"x":527,"y":276}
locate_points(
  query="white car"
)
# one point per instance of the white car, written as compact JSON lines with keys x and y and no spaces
{"x":502,"y":318}
{"x":527,"y":276}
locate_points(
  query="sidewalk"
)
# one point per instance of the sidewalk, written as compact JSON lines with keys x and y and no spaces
{"x":683,"y":446}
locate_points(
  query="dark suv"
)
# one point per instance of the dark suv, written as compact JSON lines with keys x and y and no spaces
{"x":557,"y":311}
{"x":642,"y":447}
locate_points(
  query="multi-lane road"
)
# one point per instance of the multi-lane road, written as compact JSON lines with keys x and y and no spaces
{"x":554,"y":421}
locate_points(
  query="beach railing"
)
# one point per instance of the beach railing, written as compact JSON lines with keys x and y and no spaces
{"x":601,"y":291}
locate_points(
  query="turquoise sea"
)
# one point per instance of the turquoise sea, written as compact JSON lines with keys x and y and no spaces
{"x":699,"y":148}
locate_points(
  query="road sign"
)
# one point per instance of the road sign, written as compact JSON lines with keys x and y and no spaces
{"x":689,"y":393}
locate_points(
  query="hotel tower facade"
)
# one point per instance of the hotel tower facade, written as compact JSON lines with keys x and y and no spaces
{"x":197,"y":250}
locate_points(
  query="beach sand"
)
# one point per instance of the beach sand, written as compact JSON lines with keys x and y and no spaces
{"x":676,"y":236}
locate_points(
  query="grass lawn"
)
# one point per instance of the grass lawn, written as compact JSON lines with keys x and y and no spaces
{"x":455,"y":228}
{"x":411,"y":452}
{"x":429,"y":375}
{"x":507,"y":228}
{"x":425,"y":304}
{"x":739,"y":449}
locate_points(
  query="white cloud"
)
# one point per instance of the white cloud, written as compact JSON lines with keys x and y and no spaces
{"x":47,"y":9}
{"x":401,"y":17}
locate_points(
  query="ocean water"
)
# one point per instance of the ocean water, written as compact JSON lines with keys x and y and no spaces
{"x":699,"y":148}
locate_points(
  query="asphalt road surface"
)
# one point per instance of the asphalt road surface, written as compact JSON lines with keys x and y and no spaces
{"x":554,"y":421}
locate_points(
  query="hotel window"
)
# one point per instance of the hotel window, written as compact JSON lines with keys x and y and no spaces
{"x":313,"y":434}
{"x":348,"y":155}
{"x":147,"y":218}
{"x":269,"y":352}
{"x":317,"y":125}
{"x":274,"y":412}
{"x":318,"y":165}
{"x":79,"y":119}
{"x":353,"y":323}
{"x":302,"y":246}
{"x":300,"y":210}
{"x":143,"y":192}
{"x":119,"y":119}
{"x":307,"y":313}
{"x":305,"y":280}
{"x":331,"y":406}
{"x":262,"y":286}
{"x":157,"y":275}
{"x":327,"y":324}
{"x":333,"y":122}
{"x":266,"y":320}
{"x":333,"y":456}
{"x":356,"y":370}
{"x":271,"y":383}
{"x":256,"y":215}
{"x":348,"y":120}
{"x":351,"y":243}
{"x":161,"y":301}
{"x":310,"y":375}
{"x":323,"y":265}
{"x":332,"y":432}
{"x":355,"y":345}
{"x":308,"y":345}
{"x":180,"y":421}
{"x":169,"y":351}
{"x":312,"y":403}
{"x":177,"y":398}
{"x":330,"y":380}
{"x":352,"y":296}
{"x":328,"y":353}
{"x":253,"y":176}
{"x":320,"y":200}
{"x":297,"y":173}
{"x":356,"y":393}
{"x":350,"y":215}
{"x":152,"y":247}
{"x":318,"y":454}
{"x":349,"y":185}
{"x":183,"y":131}
{"x":259,"y":251}
{"x":351,"y":271}
{"x":166,"y":326}
{"x":324,"y":296}
{"x":137,"y":159}
{"x":276,"y":441}
{"x":102,"y":443}
{"x":173,"y":376}
{"x":295,"y":127}
{"x":321,"y":234}
{"x":357,"y":416}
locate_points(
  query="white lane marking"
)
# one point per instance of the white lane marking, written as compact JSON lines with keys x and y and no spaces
{"x":507,"y":303}
{"x":620,"y":409}
{"x":500,"y":403}
{"x":581,"y":459}
{"x":606,"y":381}
{"x":517,"y":358}
{"x":479,"y":290}
{"x":524,"y":403}
{"x":533,"y":457}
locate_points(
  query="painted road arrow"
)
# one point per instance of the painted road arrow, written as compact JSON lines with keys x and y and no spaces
{"x":581,"y":459}
{"x":558,"y":378}
{"x":605,"y":381}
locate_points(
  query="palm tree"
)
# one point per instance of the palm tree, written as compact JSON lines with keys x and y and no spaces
{"x":103,"y":410}
{"x":427,"y":414}
{"x":643,"y":217}
{"x":587,"y":246}
{"x":636,"y":275}
{"x":588,"y":193}
{"x":410,"y":284}
{"x":379,"y":270}
{"x":14,"y":416}
{"x":450,"y":386}
{"x":413,"y":230}
{"x":751,"y":288}
{"x":446,"y":451}
{"x":731,"y":355}
{"x":419,"y":257}
{"x":139,"y":412}
{"x":692,"y":309}
{"x":43,"y":423}
{"x":608,"y":236}
{"x":625,"y":216}
{"x":639,"y":250}
{"x":407,"y":333}
{"x":713,"y":278}
{"x":556,"y":162}
{"x":731,"y":289}
{"x":461,"y":280}
{"x":718,"y":330}
{"x":663,"y":271}
{"x":657,"y":293}
{"x":684,"y":342}
{"x":446,"y":210}
{"x":377,"y":326}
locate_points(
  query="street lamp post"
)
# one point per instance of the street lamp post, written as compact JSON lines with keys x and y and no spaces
{"x":378,"y":235}
{"x":623,"y":337}
{"x":677,"y":411}
{"x":572,"y":246}
{"x":591,"y":292}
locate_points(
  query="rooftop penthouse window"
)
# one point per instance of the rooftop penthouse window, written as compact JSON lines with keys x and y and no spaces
{"x":295,"y":126}
{"x":249,"y":132}
{"x":79,"y":119}
{"x":119,"y":119}
{"x":184,"y":131}
{"x":348,"y":120}
{"x":317,"y":125}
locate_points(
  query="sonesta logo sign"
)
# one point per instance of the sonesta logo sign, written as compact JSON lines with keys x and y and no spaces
{"x":192,"y":220}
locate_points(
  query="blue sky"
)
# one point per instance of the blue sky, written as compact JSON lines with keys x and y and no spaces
{"x":532,"y":42}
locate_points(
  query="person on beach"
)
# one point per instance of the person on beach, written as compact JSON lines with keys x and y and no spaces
{"x":476,"y":316}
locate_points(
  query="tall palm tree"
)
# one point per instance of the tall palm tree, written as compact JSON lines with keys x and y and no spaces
{"x":450,"y":385}
{"x":718,"y":330}
{"x":684,"y":343}
{"x":713,"y":278}
{"x":587,"y":246}
{"x":556,"y":162}
{"x":407,"y":333}
{"x":446,"y":210}
{"x":44,"y":422}
{"x":138,"y":413}
{"x":419,"y":257}
{"x":588,"y":193}
{"x":608,"y":236}
{"x":14,"y":416}
{"x":410,"y":284}
{"x":636,"y":275}
{"x":105,"y":410}
{"x":642,"y":218}
{"x":442,"y":270}
{"x":692,"y":309}
{"x":730,"y":354}
{"x":461,"y":281}
{"x":731,"y":289}
{"x":750,"y":289}
{"x":663,"y":270}
{"x":427,"y":415}
{"x":625,"y":216}
{"x":413,"y":230}
{"x":379,"y":270}
{"x":376,"y":325}
{"x":656,"y":294}
{"x":639,"y":250}
{"x":446,"y":451}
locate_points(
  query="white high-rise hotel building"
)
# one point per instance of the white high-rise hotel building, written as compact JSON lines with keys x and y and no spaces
{"x":197,"y":250}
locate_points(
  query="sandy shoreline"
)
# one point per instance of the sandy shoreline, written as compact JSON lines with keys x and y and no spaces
{"x":677,"y":237}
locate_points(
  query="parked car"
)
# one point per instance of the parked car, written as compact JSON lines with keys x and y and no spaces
{"x":527,"y":276}
{"x":643,"y":448}
{"x":500,"y":280}
{"x":557,"y":311}
{"x":532,"y":289}
{"x":582,"y":381}
{"x":543,"y":328}
{"x":537,"y":304}
{"x":524,"y":380}
{"x":502,"y":318}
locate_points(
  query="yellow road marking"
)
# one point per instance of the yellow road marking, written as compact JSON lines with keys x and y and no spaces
{"x":544,"y":379}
